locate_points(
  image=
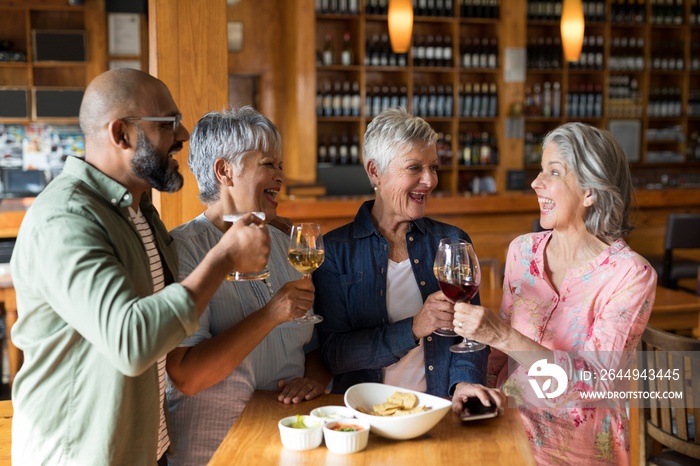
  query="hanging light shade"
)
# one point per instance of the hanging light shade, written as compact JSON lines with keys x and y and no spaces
{"x":400,"y":18}
{"x":572,"y":27}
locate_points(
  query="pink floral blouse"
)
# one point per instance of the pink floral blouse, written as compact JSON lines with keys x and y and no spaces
{"x":595,"y":321}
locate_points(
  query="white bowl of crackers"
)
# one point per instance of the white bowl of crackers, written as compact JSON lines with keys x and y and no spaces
{"x":394,"y":412}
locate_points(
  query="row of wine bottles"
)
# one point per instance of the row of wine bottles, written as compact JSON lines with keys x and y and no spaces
{"x":582,"y":100}
{"x":475,"y":100}
{"x":624,"y":99}
{"x":668,"y":12}
{"x":665,"y":102}
{"x":473,"y":149}
{"x":441,"y":8}
{"x":339,"y":151}
{"x":550,"y":10}
{"x":428,"y":50}
{"x":625,"y":54}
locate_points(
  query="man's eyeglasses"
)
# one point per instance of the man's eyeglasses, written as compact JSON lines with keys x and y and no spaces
{"x":175,"y":119}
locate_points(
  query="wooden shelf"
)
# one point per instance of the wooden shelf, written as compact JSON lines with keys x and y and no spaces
{"x":453,"y":178}
{"x":572,"y":79}
{"x":18,"y":21}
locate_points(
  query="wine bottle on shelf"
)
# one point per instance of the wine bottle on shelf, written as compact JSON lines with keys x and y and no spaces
{"x":431,"y":96}
{"x":337,"y":101}
{"x":327,"y":99}
{"x":466,"y":52}
{"x":369,"y":99}
{"x":394,"y":96}
{"x":333,"y":150}
{"x":319,"y":100}
{"x":493,"y":101}
{"x":466,"y":110}
{"x":422,"y":8}
{"x":537,"y":100}
{"x":485,"y":100}
{"x":371,"y":7}
{"x":476,"y":100}
{"x":493,"y":53}
{"x":346,"y":99}
{"x":385,"y":50}
{"x":355,"y":150}
{"x":376,"y":101}
{"x":465,"y":149}
{"x":386,"y":98}
{"x":344,"y":150}
{"x":322,"y":154}
{"x":437,"y":52}
{"x":403,"y":96}
{"x":449,"y":101}
{"x":447,"y":50}
{"x":328,"y":50}
{"x":430,"y":51}
{"x":485,"y":149}
{"x":356,"y":99}
{"x":375,"y":51}
{"x":556,"y":99}
{"x":346,"y":56}
{"x":417,"y":50}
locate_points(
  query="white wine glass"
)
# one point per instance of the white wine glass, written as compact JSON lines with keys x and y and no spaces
{"x":306,"y":255}
{"x":459,"y":276}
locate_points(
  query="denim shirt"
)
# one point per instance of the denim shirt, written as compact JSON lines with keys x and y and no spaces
{"x":357,"y":340}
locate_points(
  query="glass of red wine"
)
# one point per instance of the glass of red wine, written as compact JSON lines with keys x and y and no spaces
{"x":459,"y":275}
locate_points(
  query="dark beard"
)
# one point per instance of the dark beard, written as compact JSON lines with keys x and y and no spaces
{"x":154,"y":168}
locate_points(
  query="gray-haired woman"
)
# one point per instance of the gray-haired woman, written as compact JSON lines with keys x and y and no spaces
{"x":376,"y":290}
{"x":246,"y":340}
{"x":576,"y":296}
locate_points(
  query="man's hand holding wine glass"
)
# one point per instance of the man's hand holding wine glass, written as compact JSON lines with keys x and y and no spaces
{"x":246,"y":249}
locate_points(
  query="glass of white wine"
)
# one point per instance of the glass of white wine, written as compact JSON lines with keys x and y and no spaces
{"x":306,"y":255}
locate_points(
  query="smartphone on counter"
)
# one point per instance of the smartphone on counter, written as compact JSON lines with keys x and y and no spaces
{"x":473,"y":410}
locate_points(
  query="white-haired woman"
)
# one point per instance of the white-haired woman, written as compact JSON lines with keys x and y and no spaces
{"x":376,"y":290}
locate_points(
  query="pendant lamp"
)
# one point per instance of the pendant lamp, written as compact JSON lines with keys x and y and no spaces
{"x":572,"y":27}
{"x":400,"y":19}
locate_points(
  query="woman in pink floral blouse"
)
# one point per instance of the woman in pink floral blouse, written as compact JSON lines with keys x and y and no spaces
{"x":575,"y":295}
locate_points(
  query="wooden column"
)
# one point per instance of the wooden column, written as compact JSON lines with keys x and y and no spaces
{"x":513,"y":35}
{"x":189,"y":52}
{"x":299,"y":137}
{"x":96,"y":27}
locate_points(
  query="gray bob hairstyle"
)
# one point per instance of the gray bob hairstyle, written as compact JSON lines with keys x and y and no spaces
{"x":600,"y":164}
{"x":392,"y":132}
{"x":229,"y":135}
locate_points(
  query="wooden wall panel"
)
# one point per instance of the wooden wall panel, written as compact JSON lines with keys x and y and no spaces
{"x":276,"y":38}
{"x":189,"y":53}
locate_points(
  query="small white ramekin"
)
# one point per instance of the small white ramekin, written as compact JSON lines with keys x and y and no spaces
{"x":346,"y":442}
{"x":301,"y":439}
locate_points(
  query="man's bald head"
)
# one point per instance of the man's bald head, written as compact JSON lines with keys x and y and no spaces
{"x":116,"y":94}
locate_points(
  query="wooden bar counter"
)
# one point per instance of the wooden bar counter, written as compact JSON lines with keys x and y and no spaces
{"x":255,"y":440}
